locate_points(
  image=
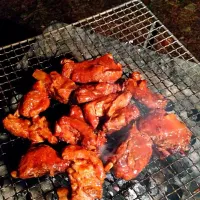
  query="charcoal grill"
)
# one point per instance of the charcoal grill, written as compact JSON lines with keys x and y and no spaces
{"x":139,"y":41}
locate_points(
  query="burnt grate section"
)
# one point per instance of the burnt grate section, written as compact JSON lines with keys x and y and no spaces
{"x":139,"y":41}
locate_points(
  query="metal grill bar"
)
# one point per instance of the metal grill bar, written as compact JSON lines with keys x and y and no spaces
{"x":139,"y":41}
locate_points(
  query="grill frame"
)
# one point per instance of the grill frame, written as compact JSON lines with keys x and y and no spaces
{"x":143,"y":30}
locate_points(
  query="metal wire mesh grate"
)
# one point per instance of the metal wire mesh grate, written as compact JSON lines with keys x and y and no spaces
{"x":140,"y":42}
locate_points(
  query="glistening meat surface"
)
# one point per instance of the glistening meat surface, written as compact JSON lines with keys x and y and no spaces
{"x":169,"y":134}
{"x":35,"y":101}
{"x":121,"y":118}
{"x":86,"y":173}
{"x":101,"y":69}
{"x":132,"y":156}
{"x":36,"y":130}
{"x":39,"y":161}
{"x":73,"y":130}
{"x":140,"y":91}
{"x":92,"y":92}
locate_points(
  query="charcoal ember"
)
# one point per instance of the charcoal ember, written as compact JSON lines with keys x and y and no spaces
{"x":46,"y":186}
{"x":194,"y":115}
{"x":152,"y":188}
{"x":61,"y":180}
{"x":51,"y":196}
{"x":4,"y":137}
{"x":121,"y":182}
{"x":36,"y":192}
{"x":3,"y":170}
{"x":119,"y":197}
{"x":112,"y":192}
{"x":138,"y":188}
{"x":174,"y":192}
{"x":129,"y":194}
{"x":170,"y":106}
{"x":8,"y":191}
{"x":14,"y":101}
{"x":110,"y":177}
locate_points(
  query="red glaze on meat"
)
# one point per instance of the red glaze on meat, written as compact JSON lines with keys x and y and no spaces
{"x":120,"y":102}
{"x":76,"y":112}
{"x":121,"y":118}
{"x":168,"y":133}
{"x":98,"y":108}
{"x":142,"y":93}
{"x":73,"y":131}
{"x":17,"y":126}
{"x":39,"y":161}
{"x":132,"y":156}
{"x":102,"y":69}
{"x":58,"y":86}
{"x":61,"y":87}
{"x":35,"y":101}
{"x":92,"y":92}
{"x":86,"y":173}
{"x":36,"y":130}
{"x":39,"y":131}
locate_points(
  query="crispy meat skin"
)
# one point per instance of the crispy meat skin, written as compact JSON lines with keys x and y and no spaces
{"x":121,"y":118}
{"x":59,"y":87}
{"x":102,"y":69}
{"x":39,"y":161}
{"x":35,"y":101}
{"x":132,"y":156}
{"x":73,"y":131}
{"x":36,"y":130}
{"x":98,"y":108}
{"x":168,"y":133}
{"x":142,"y":93}
{"x":76,"y":112}
{"x":86,"y":173}
{"x":92,"y":92}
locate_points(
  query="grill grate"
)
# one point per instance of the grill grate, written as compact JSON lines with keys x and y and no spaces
{"x":139,"y":41}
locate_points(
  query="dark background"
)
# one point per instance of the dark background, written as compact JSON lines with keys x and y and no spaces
{"x":21,"y":19}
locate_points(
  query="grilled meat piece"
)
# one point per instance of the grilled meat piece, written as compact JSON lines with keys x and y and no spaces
{"x":35,"y":101}
{"x":76,"y":112}
{"x":59,"y":87}
{"x":142,"y":93}
{"x":98,"y":108}
{"x":74,"y":131}
{"x":92,"y":92}
{"x":39,"y":131}
{"x":105,"y":106}
{"x":86,"y":173}
{"x":39,"y":161}
{"x":120,"y":102}
{"x":63,"y":193}
{"x":17,"y":126}
{"x":102,"y":69}
{"x":168,"y":133}
{"x":36,"y":130}
{"x":121,"y":118}
{"x":132,"y":156}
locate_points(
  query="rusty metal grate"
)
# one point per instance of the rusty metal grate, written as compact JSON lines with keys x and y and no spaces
{"x":139,"y":41}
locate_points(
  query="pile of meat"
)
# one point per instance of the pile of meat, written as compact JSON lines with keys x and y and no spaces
{"x":101,"y":105}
